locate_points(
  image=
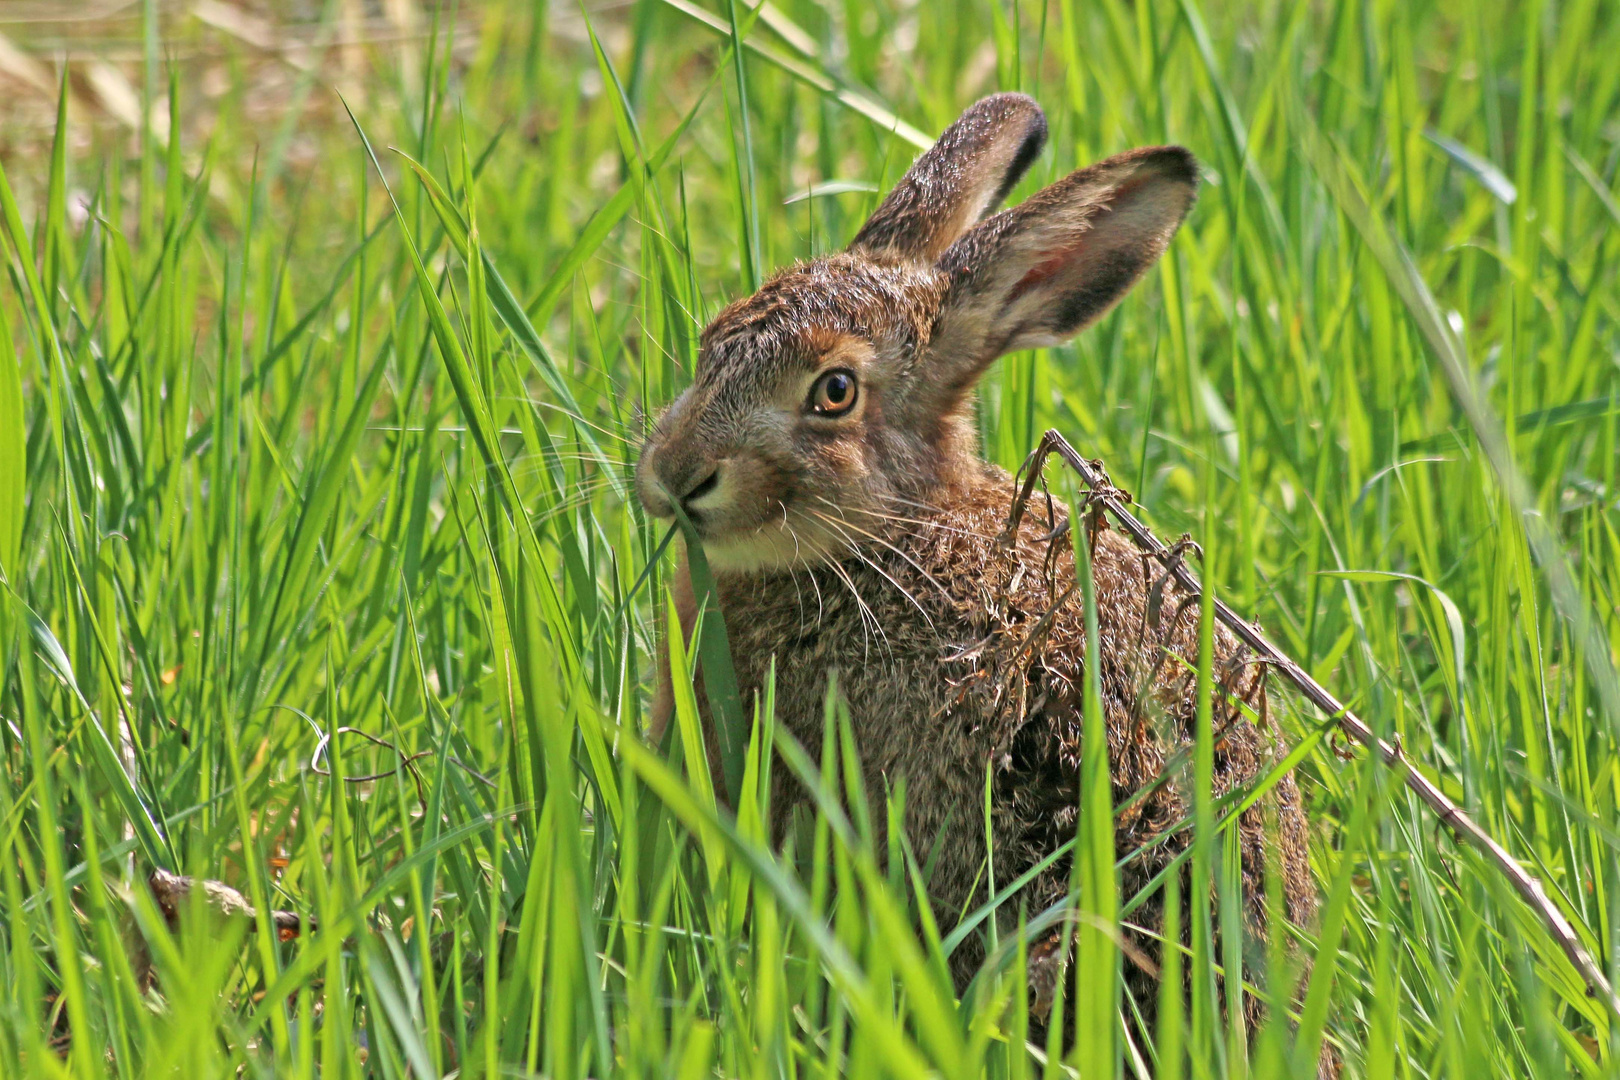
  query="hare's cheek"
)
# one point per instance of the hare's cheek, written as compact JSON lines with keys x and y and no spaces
{"x":844,"y":460}
{"x":755,"y":489}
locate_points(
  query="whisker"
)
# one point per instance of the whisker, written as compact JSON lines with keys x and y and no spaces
{"x":863,"y":557}
{"x":821,"y":604}
{"x":879,"y":540}
{"x":798,"y":595}
{"x":540,"y":404}
{"x":560,"y":508}
{"x":533,"y":467}
{"x":583,"y":493}
{"x":902,"y":500}
{"x":571,"y":455}
{"x":867,"y":614}
{"x":599,"y":428}
{"x":926,"y":523}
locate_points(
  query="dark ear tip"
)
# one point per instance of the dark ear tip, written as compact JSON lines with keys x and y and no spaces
{"x":1010,"y":112}
{"x":1174,"y":162}
{"x":1009,"y":107}
{"x":1034,"y":139}
{"x":1005,"y":100}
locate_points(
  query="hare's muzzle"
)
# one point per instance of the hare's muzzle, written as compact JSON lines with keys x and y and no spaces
{"x":665,"y":479}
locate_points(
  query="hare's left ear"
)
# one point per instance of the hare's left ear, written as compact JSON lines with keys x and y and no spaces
{"x":1041,"y":272}
{"x":962,"y":177}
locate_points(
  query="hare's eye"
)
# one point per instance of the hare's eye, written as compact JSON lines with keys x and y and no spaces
{"x":834,"y":393}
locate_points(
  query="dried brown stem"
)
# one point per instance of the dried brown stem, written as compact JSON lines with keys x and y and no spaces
{"x":1462,"y":826}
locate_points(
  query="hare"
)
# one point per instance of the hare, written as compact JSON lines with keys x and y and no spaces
{"x":827,"y":457}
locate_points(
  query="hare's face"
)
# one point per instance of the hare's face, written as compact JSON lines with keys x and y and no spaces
{"x":834,"y":404}
{"x":793,"y":440}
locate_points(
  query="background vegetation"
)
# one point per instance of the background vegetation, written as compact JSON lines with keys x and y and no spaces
{"x":320,"y":577}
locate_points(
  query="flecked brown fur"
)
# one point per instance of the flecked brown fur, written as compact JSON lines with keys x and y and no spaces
{"x":938,"y":693}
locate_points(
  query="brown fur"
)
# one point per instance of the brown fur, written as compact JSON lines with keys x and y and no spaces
{"x":935,"y":699}
{"x":867,"y":543}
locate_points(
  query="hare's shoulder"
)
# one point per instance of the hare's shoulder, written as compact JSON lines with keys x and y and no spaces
{"x":1001,"y":580}
{"x":1015,"y":607}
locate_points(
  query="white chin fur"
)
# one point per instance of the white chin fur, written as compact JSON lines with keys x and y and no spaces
{"x":762,"y":552}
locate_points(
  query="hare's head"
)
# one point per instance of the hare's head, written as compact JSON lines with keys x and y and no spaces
{"x":838,"y":398}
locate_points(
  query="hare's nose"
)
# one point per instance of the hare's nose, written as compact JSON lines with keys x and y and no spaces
{"x":679,"y":481}
{"x":700,"y":482}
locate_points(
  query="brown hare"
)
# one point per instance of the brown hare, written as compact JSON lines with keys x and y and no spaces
{"x":827,"y":457}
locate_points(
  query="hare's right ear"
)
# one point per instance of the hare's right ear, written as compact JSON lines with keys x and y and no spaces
{"x":1041,"y":272}
{"x":963,"y":177}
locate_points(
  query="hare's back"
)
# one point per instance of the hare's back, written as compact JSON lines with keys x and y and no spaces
{"x":1017,"y":667}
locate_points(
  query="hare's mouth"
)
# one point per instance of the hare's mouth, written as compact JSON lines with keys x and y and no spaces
{"x":779,"y":545}
{"x":742,"y":551}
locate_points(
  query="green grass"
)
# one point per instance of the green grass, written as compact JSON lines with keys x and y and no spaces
{"x":302,"y":475}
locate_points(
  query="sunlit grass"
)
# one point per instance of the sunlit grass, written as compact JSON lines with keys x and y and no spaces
{"x":322,"y":576}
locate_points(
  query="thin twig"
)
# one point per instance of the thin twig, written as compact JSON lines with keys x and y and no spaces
{"x":1461,"y":825}
{"x":406,"y":761}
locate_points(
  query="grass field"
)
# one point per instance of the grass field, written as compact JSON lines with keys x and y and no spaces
{"x":321,"y":577}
